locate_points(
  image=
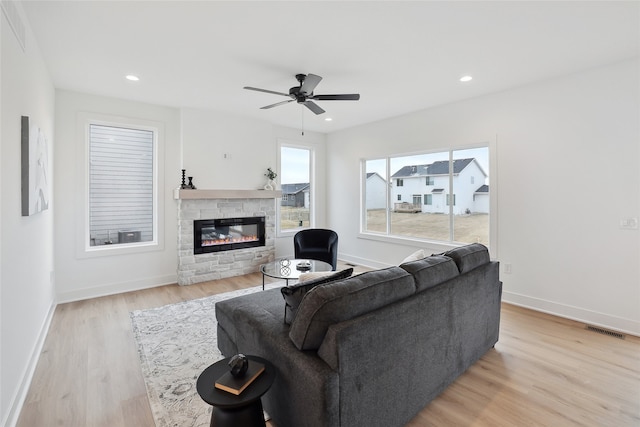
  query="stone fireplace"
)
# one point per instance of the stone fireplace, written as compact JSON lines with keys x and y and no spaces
{"x":227,"y":207}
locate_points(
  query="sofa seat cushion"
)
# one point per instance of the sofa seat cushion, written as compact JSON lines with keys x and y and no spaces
{"x":469,"y":257}
{"x":293,"y":294}
{"x":431,"y":271}
{"x":345,"y":299}
{"x":231,"y":313}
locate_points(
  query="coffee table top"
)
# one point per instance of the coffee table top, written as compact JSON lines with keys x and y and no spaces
{"x":292,"y":268}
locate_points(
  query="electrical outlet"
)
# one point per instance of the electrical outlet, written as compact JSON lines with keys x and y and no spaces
{"x":226,"y":156}
{"x":629,"y":223}
{"x":507,"y":269}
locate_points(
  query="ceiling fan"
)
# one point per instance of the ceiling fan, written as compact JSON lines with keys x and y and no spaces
{"x":303,"y":94}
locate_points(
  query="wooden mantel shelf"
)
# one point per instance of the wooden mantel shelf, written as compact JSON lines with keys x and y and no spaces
{"x":226,"y":194}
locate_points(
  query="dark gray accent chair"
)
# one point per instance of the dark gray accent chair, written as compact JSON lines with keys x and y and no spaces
{"x":318,"y":244}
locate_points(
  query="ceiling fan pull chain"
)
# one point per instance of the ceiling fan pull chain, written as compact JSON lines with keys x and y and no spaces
{"x":302,"y":119}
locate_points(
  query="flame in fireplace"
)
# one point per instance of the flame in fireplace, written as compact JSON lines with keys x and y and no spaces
{"x":229,"y":239}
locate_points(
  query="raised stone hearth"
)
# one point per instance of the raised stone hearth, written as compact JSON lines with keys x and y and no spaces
{"x":214,"y":204}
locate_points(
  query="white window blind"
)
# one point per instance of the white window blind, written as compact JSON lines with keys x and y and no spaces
{"x":121,"y":179}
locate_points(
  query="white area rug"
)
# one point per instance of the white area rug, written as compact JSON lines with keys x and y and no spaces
{"x":175,"y":344}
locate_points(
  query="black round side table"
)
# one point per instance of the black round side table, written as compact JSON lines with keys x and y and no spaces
{"x":231,"y":410}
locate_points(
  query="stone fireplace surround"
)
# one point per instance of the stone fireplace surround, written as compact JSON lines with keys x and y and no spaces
{"x":213,"y":204}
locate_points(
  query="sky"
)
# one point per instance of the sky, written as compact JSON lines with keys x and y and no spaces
{"x":294,"y":165}
{"x":295,"y":162}
{"x":396,"y":163}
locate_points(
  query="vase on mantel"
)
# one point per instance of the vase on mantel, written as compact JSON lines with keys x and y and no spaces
{"x":270,"y":185}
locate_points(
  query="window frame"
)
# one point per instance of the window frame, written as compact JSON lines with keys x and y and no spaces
{"x":488,"y":143}
{"x":312,"y":190}
{"x":83,"y":235}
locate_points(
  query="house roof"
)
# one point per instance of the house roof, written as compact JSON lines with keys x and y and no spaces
{"x":294,"y":188}
{"x":370,"y":174}
{"x":483,"y":189}
{"x":440,"y":167}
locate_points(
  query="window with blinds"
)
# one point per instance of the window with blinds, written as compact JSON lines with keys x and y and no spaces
{"x":121,"y":185}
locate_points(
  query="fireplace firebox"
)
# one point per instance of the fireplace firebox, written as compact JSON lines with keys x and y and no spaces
{"x":226,"y":234}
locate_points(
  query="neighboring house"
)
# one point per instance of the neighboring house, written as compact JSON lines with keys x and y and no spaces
{"x":376,"y":191}
{"x":425,"y":188}
{"x":295,"y":195}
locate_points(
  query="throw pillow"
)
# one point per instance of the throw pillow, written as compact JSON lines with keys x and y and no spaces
{"x":305,"y":277}
{"x":419,"y":254}
{"x":293,"y":294}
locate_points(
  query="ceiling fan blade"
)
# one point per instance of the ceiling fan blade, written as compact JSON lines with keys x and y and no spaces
{"x":344,"y":97}
{"x":266,"y":107}
{"x":309,"y":84}
{"x":313,"y":107}
{"x":265,"y":91}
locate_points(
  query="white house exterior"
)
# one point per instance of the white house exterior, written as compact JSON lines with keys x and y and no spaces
{"x":425,"y":188}
{"x":376,"y":197}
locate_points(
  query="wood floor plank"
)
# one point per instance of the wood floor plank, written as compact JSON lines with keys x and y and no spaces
{"x":544,"y":370}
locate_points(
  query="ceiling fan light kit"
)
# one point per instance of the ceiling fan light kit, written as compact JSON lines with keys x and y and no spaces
{"x":303,"y":94}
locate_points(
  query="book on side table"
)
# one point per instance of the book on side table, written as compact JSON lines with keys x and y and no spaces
{"x":231,"y":384}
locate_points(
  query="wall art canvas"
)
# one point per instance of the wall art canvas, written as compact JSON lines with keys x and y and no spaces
{"x":35,"y":169}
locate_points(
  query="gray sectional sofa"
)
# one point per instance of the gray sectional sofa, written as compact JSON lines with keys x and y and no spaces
{"x":372,"y":349}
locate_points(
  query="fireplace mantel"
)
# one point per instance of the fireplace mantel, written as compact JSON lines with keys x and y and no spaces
{"x":225,"y":194}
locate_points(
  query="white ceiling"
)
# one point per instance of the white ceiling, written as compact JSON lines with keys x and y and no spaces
{"x":400,"y":56}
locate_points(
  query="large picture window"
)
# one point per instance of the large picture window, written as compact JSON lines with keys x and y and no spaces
{"x":444,"y":196}
{"x":121,"y":185}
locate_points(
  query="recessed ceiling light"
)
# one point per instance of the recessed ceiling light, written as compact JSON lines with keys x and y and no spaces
{"x":328,"y":119}
{"x":466,"y":78}
{"x":132,"y":78}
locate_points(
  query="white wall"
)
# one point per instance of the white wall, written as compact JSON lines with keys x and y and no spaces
{"x":562,"y":146}
{"x":86,"y":277}
{"x":27,"y":295}
{"x":226,"y":151}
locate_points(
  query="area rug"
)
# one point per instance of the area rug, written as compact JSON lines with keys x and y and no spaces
{"x":176,"y":343}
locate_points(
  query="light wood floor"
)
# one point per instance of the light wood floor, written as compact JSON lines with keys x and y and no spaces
{"x":544,"y":371}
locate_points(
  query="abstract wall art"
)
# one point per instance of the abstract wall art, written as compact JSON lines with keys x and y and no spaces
{"x":35,"y":169}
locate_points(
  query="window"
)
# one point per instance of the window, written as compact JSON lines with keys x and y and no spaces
{"x":455,"y":210}
{"x":295,"y":211}
{"x":121,"y":195}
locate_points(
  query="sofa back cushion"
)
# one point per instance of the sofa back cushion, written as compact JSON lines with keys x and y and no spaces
{"x":342,"y":300}
{"x":469,"y":257}
{"x":431,"y":271}
{"x":293,"y":294}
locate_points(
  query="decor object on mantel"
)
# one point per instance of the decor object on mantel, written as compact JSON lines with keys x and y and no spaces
{"x":188,"y":186}
{"x":271,"y":175}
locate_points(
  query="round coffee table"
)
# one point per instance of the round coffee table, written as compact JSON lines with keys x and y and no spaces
{"x":290,"y":269}
{"x":230,"y":410}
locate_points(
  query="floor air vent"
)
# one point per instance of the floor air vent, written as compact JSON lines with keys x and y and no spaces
{"x":606,"y":332}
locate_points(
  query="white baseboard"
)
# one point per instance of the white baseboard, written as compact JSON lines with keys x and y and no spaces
{"x":627,"y":326}
{"x":115,"y":288}
{"x":362,"y":261}
{"x":15,"y":407}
